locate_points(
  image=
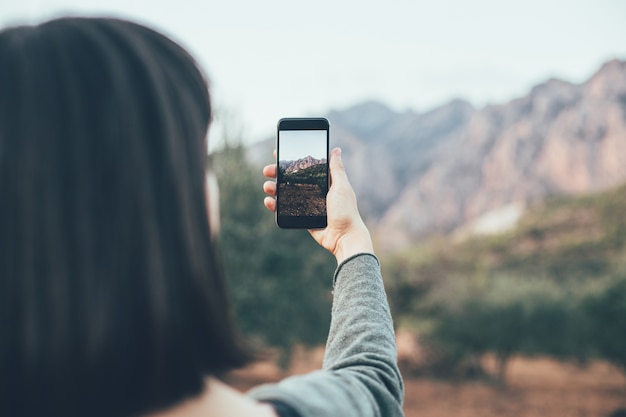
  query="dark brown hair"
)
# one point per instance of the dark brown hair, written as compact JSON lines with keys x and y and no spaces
{"x":112,"y":299}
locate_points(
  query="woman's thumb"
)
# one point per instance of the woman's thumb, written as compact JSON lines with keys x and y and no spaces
{"x":337,"y":170}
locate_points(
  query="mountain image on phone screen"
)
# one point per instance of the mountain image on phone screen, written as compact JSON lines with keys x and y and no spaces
{"x":303,"y":173}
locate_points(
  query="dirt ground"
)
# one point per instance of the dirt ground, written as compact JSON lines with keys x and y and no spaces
{"x":302,"y":200}
{"x":537,"y":387}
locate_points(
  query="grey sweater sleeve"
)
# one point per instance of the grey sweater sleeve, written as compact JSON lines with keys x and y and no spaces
{"x":360,"y":377}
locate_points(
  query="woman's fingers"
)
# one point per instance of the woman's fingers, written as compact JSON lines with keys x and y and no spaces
{"x":270,"y":203}
{"x":270,"y":188}
{"x":270,"y":171}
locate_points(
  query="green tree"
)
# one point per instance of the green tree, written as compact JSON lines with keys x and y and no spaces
{"x":508,"y":316}
{"x":606,"y":320}
{"x":478,"y":328}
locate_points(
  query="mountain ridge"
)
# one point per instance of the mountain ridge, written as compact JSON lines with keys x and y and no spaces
{"x":300,"y":164}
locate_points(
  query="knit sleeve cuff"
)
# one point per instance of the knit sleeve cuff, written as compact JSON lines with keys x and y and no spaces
{"x":351,"y":259}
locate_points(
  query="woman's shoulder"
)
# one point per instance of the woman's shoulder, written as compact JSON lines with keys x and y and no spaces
{"x":219,"y":399}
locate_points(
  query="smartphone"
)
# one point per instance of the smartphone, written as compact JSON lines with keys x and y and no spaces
{"x":302,"y":147}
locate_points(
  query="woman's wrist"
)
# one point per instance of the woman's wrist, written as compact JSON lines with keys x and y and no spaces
{"x":354,"y":242}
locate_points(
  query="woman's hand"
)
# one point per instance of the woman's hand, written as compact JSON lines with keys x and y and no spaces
{"x":346,"y":234}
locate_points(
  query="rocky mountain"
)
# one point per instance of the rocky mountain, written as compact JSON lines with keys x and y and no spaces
{"x":303,"y":163}
{"x":460,"y":169}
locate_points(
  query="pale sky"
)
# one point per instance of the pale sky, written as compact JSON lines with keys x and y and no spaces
{"x":297,"y":144}
{"x":280,"y":58}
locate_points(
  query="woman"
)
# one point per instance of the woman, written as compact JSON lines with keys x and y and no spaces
{"x":112,"y":300}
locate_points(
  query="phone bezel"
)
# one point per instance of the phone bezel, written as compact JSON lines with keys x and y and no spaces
{"x":301,"y":123}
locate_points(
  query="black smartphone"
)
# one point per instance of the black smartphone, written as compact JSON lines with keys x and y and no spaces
{"x":302,"y":147}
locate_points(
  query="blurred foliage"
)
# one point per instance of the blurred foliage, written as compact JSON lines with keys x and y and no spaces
{"x":606,"y":322}
{"x":508,"y":316}
{"x":555,"y":285}
{"x":279,"y":280}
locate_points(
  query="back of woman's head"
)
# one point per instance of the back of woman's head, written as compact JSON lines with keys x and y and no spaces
{"x":111,"y":298}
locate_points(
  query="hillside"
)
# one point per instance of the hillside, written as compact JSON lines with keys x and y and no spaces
{"x":563,"y":239}
{"x":313,"y":174}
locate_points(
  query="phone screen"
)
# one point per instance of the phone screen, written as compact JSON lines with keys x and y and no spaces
{"x":302,"y":177}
